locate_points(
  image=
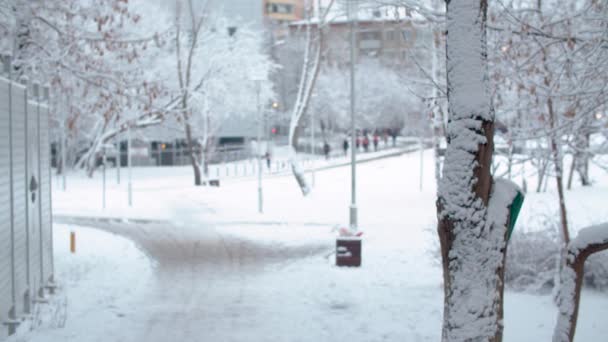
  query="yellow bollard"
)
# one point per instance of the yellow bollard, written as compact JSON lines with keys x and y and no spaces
{"x":72,"y":242}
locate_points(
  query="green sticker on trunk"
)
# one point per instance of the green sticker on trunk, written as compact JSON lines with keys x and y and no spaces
{"x":518,"y":201}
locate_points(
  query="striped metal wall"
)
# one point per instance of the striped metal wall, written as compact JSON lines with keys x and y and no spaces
{"x":26,"y":259}
{"x":5,"y":206}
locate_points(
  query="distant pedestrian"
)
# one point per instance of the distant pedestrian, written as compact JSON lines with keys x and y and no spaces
{"x":345,"y":146}
{"x":268,"y":161}
{"x":394,"y":136}
{"x":376,"y":139}
{"x":326,"y":150}
{"x":366,"y":143}
{"x":358,"y":142}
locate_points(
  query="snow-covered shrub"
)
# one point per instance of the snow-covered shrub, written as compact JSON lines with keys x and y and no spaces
{"x":596,"y":271}
{"x":532,"y":261}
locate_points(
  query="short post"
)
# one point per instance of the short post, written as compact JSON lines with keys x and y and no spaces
{"x":72,"y":242}
{"x":103,"y":193}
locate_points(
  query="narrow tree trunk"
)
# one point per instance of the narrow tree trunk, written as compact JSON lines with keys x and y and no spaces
{"x":557,"y":161}
{"x":192,"y":155}
{"x":510,"y":160}
{"x":542,"y":172}
{"x":571,"y":173}
{"x":589,"y":241}
{"x":583,"y":160}
{"x":437,"y":113}
{"x":308,"y":78}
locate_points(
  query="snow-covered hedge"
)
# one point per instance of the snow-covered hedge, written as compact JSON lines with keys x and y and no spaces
{"x":532,"y":263}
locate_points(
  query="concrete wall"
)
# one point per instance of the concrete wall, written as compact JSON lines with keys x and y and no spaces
{"x":26,"y":262}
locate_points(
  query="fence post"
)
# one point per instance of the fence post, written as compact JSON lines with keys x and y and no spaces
{"x":12,"y":310}
{"x":40,"y":225}
{"x":47,"y":97}
{"x":25,"y":81}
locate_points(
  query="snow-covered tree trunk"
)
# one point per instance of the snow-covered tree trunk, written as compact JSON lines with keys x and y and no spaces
{"x":184,"y":71}
{"x":473,"y":210}
{"x":588,"y":241}
{"x":308,"y":78}
{"x":192,"y":155}
{"x":437,"y":114}
{"x":558,"y":162}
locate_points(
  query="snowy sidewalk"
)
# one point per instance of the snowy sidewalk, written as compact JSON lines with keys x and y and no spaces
{"x":223,"y":272}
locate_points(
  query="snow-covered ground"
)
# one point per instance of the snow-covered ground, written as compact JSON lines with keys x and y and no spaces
{"x":216,"y":270}
{"x":101,"y":285}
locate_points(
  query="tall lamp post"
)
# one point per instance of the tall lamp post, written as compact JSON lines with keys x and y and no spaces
{"x":348,"y":245}
{"x":129,"y":185}
{"x":259,"y":144}
{"x":312,"y":145}
{"x":352,"y":8}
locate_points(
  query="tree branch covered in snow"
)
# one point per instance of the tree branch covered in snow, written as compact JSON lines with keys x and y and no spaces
{"x":589,"y":241}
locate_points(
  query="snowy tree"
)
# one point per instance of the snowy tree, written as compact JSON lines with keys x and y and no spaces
{"x":550,"y":74}
{"x":472,"y":208}
{"x":310,"y":70}
{"x":88,"y":51}
{"x":384,"y":98}
{"x":210,"y":60}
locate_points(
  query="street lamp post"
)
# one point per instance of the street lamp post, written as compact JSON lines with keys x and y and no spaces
{"x":348,"y":248}
{"x":312,"y":145}
{"x":259,"y":146}
{"x":105,"y":161}
{"x":63,"y":142}
{"x":353,"y":155}
{"x":129,"y":185}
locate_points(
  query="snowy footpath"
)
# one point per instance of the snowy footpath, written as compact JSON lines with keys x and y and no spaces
{"x":200,"y":264}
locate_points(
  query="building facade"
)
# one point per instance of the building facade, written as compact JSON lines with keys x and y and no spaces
{"x":283,"y":10}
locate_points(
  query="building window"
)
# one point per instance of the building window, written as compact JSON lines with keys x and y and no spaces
{"x":370,"y":35}
{"x":408,"y":35}
{"x":279,"y":8}
{"x":370,"y":52}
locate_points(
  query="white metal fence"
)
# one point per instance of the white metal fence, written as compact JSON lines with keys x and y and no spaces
{"x":26,"y":256}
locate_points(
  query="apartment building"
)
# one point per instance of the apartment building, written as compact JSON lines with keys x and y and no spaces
{"x":284,"y":10}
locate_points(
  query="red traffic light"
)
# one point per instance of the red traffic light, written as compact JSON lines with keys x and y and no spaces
{"x":274,"y":130}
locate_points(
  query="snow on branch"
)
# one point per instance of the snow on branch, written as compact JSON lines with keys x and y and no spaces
{"x":590,"y":240}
